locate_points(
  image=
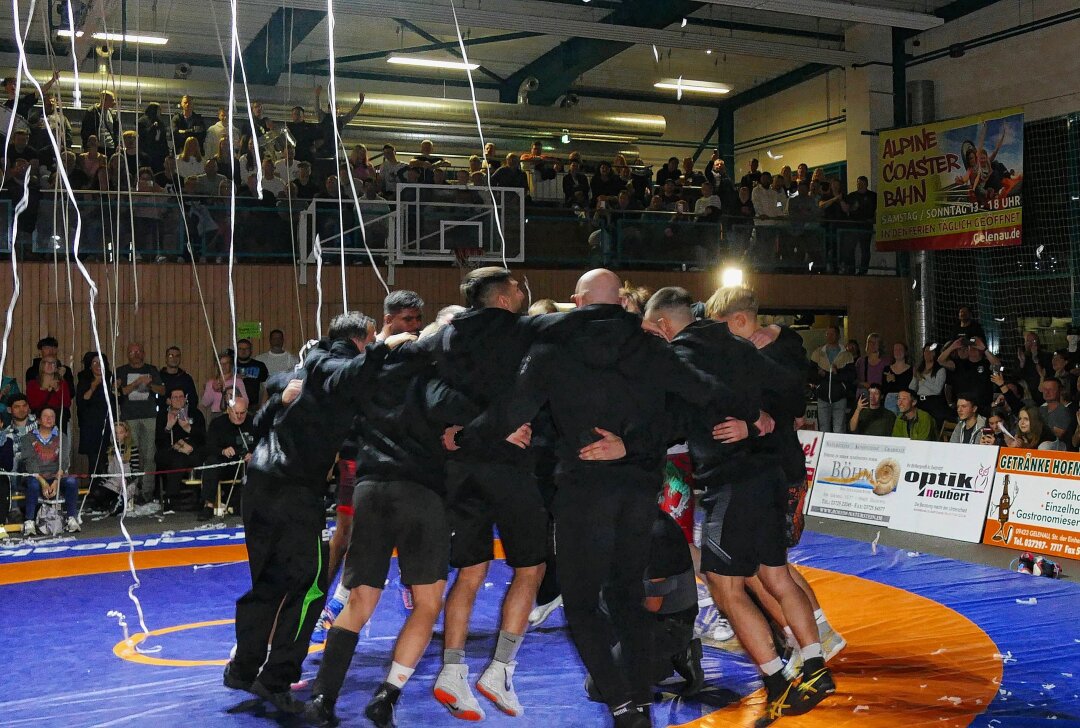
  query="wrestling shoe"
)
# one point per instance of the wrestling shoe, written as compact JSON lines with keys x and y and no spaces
{"x":326,"y":619}
{"x":722,"y":631}
{"x":497,"y":685}
{"x":233,"y":681}
{"x":541,"y":612}
{"x":688,"y":664}
{"x":782,"y":699}
{"x":452,"y":690}
{"x":832,"y":642}
{"x":320,"y":712}
{"x":632,"y":716}
{"x":380,"y":710}
{"x":284,"y":700}
{"x":817,"y":683}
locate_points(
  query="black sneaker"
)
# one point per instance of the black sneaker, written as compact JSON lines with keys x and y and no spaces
{"x":632,"y":716}
{"x":283,"y":701}
{"x":233,"y":681}
{"x":205,"y":514}
{"x":320,"y":712}
{"x":380,"y":710}
{"x":782,"y":699}
{"x":817,"y":683}
{"x":688,"y":664}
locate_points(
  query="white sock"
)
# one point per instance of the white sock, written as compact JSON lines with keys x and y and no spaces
{"x":399,"y":675}
{"x":772,"y":667}
{"x":819,"y":616}
{"x":811,"y":651}
{"x":341,"y":593}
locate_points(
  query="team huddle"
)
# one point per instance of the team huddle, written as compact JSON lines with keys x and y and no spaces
{"x":554,"y":428}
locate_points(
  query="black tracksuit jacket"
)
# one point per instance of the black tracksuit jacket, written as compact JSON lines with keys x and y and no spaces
{"x":786,"y":401}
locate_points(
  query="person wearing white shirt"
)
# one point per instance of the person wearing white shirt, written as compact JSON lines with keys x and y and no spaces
{"x":769,"y":202}
{"x":287,"y":167}
{"x":708,"y":206}
{"x":216,"y":132}
{"x":389,"y":169}
{"x":277,"y":359}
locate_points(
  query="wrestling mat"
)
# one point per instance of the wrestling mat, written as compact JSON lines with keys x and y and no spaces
{"x":931,"y":642}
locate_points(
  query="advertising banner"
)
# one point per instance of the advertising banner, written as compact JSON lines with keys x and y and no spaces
{"x":856,"y":478}
{"x":951,"y":184}
{"x":1035,"y":504}
{"x":811,"y":446}
{"x":944,"y":490}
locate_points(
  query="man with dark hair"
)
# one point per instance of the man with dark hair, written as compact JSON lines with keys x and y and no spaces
{"x":403,"y":312}
{"x":300,"y":430}
{"x":751,"y":178}
{"x":139,"y":387}
{"x":276,"y":358}
{"x":861,"y":209}
{"x":870,"y":417}
{"x":179,"y":438}
{"x":252,"y":371}
{"x":969,"y":423}
{"x":912,"y":422}
{"x":602,"y":375}
{"x":102,"y":120}
{"x":303,"y":132}
{"x":478,"y":354}
{"x":743,"y":535}
{"x":188,"y":123}
{"x":228,"y":439}
{"x":173,"y":377}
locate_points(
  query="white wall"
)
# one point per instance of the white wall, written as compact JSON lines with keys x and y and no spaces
{"x":1038,"y":70}
{"x":818,"y":99}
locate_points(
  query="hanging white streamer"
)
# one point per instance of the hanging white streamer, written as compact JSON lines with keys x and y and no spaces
{"x":93,"y":291}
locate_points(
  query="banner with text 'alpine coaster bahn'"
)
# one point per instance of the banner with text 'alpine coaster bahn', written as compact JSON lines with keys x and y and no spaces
{"x":952,"y":184}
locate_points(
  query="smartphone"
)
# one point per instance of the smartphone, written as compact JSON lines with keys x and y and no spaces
{"x":988,"y":430}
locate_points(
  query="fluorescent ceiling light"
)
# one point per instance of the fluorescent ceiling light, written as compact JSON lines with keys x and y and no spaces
{"x":119,"y":37}
{"x":689,"y":86}
{"x":841,"y":11}
{"x":432,"y":63}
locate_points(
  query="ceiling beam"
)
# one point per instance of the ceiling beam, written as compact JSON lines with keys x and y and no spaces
{"x":833,"y":10}
{"x":959,"y":8}
{"x":776,"y":85}
{"x":453,"y":50}
{"x":559,"y":68}
{"x":267,"y":55}
{"x":322,"y":63}
{"x":560,"y":26}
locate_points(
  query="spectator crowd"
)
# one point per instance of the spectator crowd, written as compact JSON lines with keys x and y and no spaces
{"x":958,"y":390}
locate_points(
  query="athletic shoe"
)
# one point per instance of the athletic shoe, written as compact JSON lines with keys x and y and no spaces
{"x":817,"y":683}
{"x":71,"y":525}
{"x":722,"y":631}
{"x":320,"y":712}
{"x":406,"y":597}
{"x":29,"y":529}
{"x":380,"y":710}
{"x":497,"y":685}
{"x":284,"y":701}
{"x":452,"y":690}
{"x":542,"y":611}
{"x":326,"y":620}
{"x":832,"y":642}
{"x":688,"y":664}
{"x":793,"y":666}
{"x":233,"y":681}
{"x":3,"y":533}
{"x":632,"y":717}
{"x":783,"y":699}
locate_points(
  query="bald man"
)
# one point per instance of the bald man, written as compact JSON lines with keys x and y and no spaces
{"x":602,"y":376}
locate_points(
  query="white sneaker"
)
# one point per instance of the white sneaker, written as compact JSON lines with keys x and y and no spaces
{"x":29,"y":529}
{"x":497,"y":685}
{"x":71,"y":525}
{"x":542,"y":611}
{"x":722,"y":630}
{"x":793,"y":667}
{"x":452,"y":690}
{"x":832,"y":642}
{"x":3,"y":533}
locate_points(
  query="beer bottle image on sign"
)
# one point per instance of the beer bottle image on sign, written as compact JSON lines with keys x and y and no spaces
{"x":1004,"y":505}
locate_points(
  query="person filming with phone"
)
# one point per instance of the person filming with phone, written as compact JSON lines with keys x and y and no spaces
{"x":972,"y":365}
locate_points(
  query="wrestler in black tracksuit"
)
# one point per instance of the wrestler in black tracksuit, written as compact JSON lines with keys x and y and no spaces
{"x":597,"y":368}
{"x":740,"y":484}
{"x":399,"y":497}
{"x":785,"y":405}
{"x":478,"y":354}
{"x":283,"y":511}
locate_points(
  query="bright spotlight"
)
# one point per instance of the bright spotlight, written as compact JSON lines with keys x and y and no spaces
{"x":731,"y":277}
